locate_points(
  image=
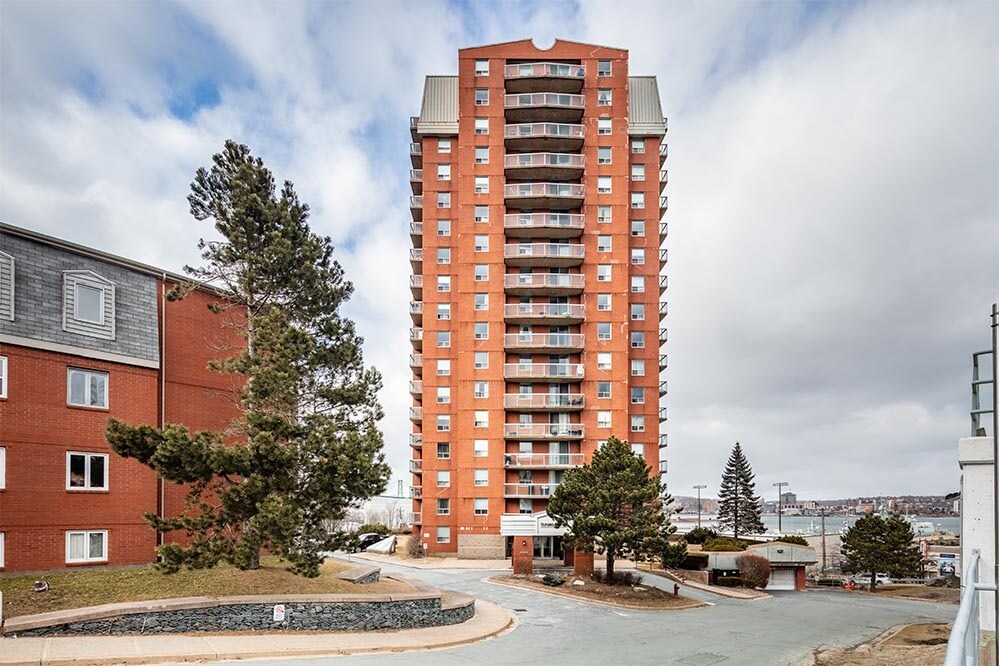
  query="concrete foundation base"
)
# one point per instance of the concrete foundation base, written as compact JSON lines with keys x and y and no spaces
{"x":481,"y":546}
{"x":582,"y":564}
{"x":523,"y":555}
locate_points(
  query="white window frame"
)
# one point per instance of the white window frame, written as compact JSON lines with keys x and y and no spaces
{"x":638,"y":367}
{"x":604,"y":185}
{"x":605,"y":308}
{"x":107,"y":388}
{"x":605,"y":160}
{"x":601,"y":218}
{"x":3,"y":377}
{"x":605,"y":126}
{"x":443,"y":256}
{"x":640,"y":313}
{"x":638,"y":423}
{"x":610,"y":68}
{"x":638,"y":284}
{"x":447,"y":505}
{"x":631,"y":395}
{"x":480,"y":448}
{"x":480,"y":418}
{"x":484,"y":305}
{"x":482,"y":160}
{"x":475,"y":360}
{"x":443,"y":283}
{"x":604,"y":243}
{"x":76,"y":303}
{"x":443,"y":423}
{"x":443,"y":172}
{"x":482,"y":243}
{"x":481,"y":126}
{"x":603,"y":419}
{"x":638,"y":200}
{"x":484,"y":393}
{"x":87,"y":487}
{"x":444,"y":230}
{"x":443,"y":145}
{"x":481,"y":277}
{"x":476,"y":481}
{"x":637,"y":146}
{"x":637,"y":342}
{"x":638,"y":172}
{"x":446,"y":450}
{"x":443,"y":312}
{"x":485,"y":334}
{"x":605,"y":96}
{"x":443,"y":199}
{"x":445,"y":475}
{"x":638,"y":232}
{"x":482,"y":68}
{"x":481,"y":218}
{"x":482,"y":184}
{"x":603,"y":394}
{"x":600,"y":364}
{"x":600,"y":276}
{"x":443,"y":395}
{"x":485,"y":100}
{"x":444,"y":367}
{"x":446,"y":531}
{"x":3,"y":468}
{"x":86,"y":535}
{"x":600,"y":334}
{"x":475,"y":506}
{"x":637,"y":256}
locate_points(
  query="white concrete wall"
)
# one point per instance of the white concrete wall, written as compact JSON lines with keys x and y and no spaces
{"x":975,"y":458}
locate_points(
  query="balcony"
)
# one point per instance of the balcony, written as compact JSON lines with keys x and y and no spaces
{"x":414,"y":122}
{"x":416,"y":466}
{"x":416,"y":492}
{"x":416,"y":155}
{"x":416,"y":362}
{"x":544,"y":343}
{"x":416,"y":259}
{"x":543,"y":460}
{"x":555,"y":137}
{"x":416,"y":207}
{"x":416,"y":234}
{"x":416,"y":414}
{"x":544,"y":166}
{"x":416,"y":312}
{"x":663,"y":467}
{"x":537,"y":76}
{"x":416,"y":286}
{"x":543,"y":254}
{"x":544,"y":107}
{"x":552,"y":196}
{"x":416,"y":387}
{"x":416,"y":180}
{"x":526,"y":490}
{"x":416,"y":518}
{"x":663,"y":153}
{"x":543,"y":402}
{"x":543,"y":284}
{"x":552,"y":225}
{"x":544,"y":313}
{"x":416,"y":440}
{"x":543,"y":431}
{"x":543,"y":372}
{"x":663,"y":205}
{"x":416,"y":337}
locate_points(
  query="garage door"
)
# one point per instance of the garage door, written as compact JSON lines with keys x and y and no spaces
{"x":781,"y":579}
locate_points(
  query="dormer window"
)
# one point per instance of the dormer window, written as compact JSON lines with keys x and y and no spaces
{"x":88,"y":304}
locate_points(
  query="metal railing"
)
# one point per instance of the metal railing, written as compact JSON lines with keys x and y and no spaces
{"x":543,"y":460}
{"x":516,"y":401}
{"x":544,"y":280}
{"x":546,"y":130}
{"x":570,"y":160}
{"x":544,"y":69}
{"x":572,"y":371}
{"x":530,"y":100}
{"x":544,"y":221}
{"x":544,"y":310}
{"x":536,"y":340}
{"x":963,"y":646}
{"x":544,"y":430}
{"x":529,"y":489}
{"x":572,"y":190}
{"x":544,"y":250}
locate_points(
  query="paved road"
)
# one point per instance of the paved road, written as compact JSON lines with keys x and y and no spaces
{"x":766,"y":632}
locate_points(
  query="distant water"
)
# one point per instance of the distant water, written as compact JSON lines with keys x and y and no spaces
{"x":813,"y":524}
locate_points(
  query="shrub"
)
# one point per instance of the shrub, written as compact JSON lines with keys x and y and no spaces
{"x":732,"y":581}
{"x":700,"y":535}
{"x":673,"y":555}
{"x":725,"y":544}
{"x":552,"y":579}
{"x":620,"y":578}
{"x":377,"y":528}
{"x":695,"y":561}
{"x":415,"y":547}
{"x":754,"y":568}
{"x":797,"y":540}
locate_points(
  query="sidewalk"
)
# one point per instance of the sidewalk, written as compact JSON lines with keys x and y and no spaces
{"x":730,"y":592}
{"x":490,"y":620}
{"x":429,"y":562}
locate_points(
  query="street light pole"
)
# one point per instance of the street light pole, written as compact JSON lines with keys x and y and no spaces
{"x":995,"y":456}
{"x":780,"y":491}
{"x":698,"y":488}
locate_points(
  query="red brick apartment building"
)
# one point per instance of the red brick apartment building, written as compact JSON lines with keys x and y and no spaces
{"x":537,"y":285}
{"x":84,"y":336}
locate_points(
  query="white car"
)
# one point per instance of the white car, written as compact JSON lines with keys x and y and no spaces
{"x":865,"y":579}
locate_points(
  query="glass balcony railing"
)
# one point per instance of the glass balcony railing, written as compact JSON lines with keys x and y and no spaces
{"x":544,"y":70}
{"x":416,"y":360}
{"x":543,"y":401}
{"x":570,"y":371}
{"x":545,"y":310}
{"x":416,"y":307}
{"x":543,"y":250}
{"x":534,"y":100}
{"x":416,"y":413}
{"x":544,"y":130}
{"x":530,"y":221}
{"x":416,"y":201}
{"x":543,"y":430}
{"x":416,"y":466}
{"x":526,"y":190}
{"x":567,"y":160}
{"x":543,"y":460}
{"x":543,"y":340}
{"x":416,"y":492}
{"x":416,"y":254}
{"x":416,"y":518}
{"x":528,"y":489}
{"x":544,"y":280}
{"x":416,"y":439}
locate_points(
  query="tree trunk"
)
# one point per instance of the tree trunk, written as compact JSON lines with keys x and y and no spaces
{"x":610,"y":567}
{"x":874,"y":581}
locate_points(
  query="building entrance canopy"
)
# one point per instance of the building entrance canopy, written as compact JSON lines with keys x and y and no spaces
{"x":529,"y":524}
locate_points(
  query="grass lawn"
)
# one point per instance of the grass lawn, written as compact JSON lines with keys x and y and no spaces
{"x":638,"y":597}
{"x":91,"y":587}
{"x":944,"y":595}
{"x":913,"y":645}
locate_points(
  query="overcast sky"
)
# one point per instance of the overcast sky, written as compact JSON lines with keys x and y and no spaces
{"x":833,"y":172}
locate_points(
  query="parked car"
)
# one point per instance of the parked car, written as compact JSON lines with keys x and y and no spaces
{"x":369,"y":539}
{"x":865,"y":579}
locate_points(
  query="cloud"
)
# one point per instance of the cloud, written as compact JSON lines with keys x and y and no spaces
{"x":832,"y":189}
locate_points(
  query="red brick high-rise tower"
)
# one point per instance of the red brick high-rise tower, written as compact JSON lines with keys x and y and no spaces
{"x":537,"y":285}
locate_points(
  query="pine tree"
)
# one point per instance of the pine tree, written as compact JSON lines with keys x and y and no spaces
{"x":613,"y":505}
{"x":305,"y":445}
{"x":877,"y":545}
{"x":738,"y":505}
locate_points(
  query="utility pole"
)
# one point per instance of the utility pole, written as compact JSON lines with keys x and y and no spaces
{"x":823,"y":514}
{"x":698,"y":488}
{"x":780,"y":491}
{"x":995,"y":457}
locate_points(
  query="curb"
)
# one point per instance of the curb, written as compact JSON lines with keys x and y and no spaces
{"x":596,"y":602}
{"x":700,"y":587}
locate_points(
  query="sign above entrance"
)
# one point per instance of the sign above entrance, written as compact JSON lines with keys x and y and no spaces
{"x":529,"y":524}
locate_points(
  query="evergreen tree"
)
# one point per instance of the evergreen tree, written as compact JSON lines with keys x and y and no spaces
{"x":738,"y":506}
{"x":613,"y":505}
{"x":305,"y":444}
{"x":878,"y":545}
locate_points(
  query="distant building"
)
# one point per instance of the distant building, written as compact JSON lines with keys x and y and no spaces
{"x":788,"y":498}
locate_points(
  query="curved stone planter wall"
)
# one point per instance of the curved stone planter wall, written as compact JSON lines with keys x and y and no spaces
{"x":424,"y":607}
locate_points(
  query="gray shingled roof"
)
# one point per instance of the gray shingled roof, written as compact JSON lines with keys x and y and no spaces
{"x":439,"y":111}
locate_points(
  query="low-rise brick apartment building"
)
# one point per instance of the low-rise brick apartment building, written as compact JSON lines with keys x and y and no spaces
{"x":85,"y":336}
{"x":537,"y":286}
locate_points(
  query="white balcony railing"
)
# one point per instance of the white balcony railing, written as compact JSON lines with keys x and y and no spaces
{"x":416,"y":334}
{"x":416,"y":518}
{"x":416,"y":439}
{"x":531,"y":100}
{"x":560,"y":70}
{"x":416,"y":307}
{"x":525,"y":190}
{"x":545,"y":310}
{"x":416,"y":360}
{"x":544,"y":280}
{"x":416,"y":254}
{"x":543,"y":460}
{"x":567,"y":160}
{"x":543,"y":370}
{"x":515,"y":401}
{"x":416,"y":201}
{"x":416,"y":492}
{"x":540,"y":340}
{"x":544,"y":221}
{"x":416,"y":413}
{"x":543,"y":430}
{"x":544,"y":130}
{"x":963,"y":646}
{"x":416,"y":466}
{"x":544,"y":250}
{"x":529,"y":489}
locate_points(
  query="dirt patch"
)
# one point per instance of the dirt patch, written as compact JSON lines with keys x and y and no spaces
{"x":76,"y":589}
{"x":943,"y":595}
{"x":912,"y":645}
{"x":637,"y":597}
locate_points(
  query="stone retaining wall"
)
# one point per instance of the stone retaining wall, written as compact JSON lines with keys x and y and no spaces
{"x":330,"y":612}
